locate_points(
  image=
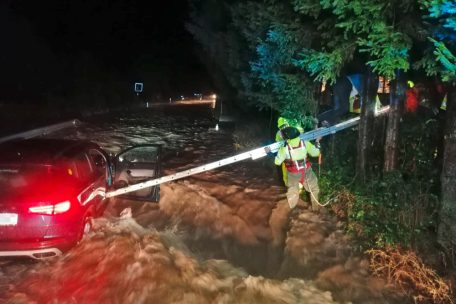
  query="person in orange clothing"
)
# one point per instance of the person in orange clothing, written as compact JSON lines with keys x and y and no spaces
{"x":411,"y":101}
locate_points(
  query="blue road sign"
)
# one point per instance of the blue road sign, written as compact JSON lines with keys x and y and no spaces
{"x":139,"y":87}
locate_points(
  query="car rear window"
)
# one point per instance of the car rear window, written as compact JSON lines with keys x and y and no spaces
{"x":20,"y":176}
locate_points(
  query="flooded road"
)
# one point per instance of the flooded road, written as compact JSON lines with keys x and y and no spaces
{"x":218,"y":237}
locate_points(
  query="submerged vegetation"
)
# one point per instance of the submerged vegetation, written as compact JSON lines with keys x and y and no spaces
{"x":406,"y":270}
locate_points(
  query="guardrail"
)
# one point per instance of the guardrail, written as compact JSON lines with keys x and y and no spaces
{"x":42,"y":131}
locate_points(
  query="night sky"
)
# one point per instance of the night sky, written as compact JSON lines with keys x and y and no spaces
{"x":59,"y":45}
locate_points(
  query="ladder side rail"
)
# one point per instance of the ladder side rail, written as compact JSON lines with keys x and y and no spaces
{"x":253,"y":154}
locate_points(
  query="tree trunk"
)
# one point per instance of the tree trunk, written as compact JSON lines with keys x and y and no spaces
{"x":366,"y":126}
{"x":447,"y":214}
{"x":397,"y":98}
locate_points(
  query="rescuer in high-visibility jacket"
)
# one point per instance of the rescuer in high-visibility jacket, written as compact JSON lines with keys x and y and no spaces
{"x":283,"y":123}
{"x":443,"y":105}
{"x":298,"y":170}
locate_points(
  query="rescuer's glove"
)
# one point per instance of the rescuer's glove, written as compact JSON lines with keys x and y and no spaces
{"x":268,"y":151}
{"x":325,"y":124}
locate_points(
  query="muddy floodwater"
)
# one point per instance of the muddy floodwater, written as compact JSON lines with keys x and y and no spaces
{"x":221,"y":236}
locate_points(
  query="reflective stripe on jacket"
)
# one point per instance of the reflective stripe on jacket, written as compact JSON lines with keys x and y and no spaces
{"x":295,"y":151}
{"x":292,"y":164}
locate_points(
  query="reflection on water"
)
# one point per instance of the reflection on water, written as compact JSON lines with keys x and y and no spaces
{"x":223,"y":236}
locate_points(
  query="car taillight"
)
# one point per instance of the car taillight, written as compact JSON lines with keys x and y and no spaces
{"x":51,"y":209}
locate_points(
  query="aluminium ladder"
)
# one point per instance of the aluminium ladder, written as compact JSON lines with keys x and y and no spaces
{"x":252,"y":154}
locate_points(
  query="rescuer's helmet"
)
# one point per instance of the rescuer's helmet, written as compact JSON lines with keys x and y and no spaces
{"x":282,"y":122}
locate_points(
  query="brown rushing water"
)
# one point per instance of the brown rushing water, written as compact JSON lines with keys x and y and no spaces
{"x":217,"y":237}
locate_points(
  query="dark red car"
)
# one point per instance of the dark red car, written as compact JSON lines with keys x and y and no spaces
{"x":50,"y":189}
